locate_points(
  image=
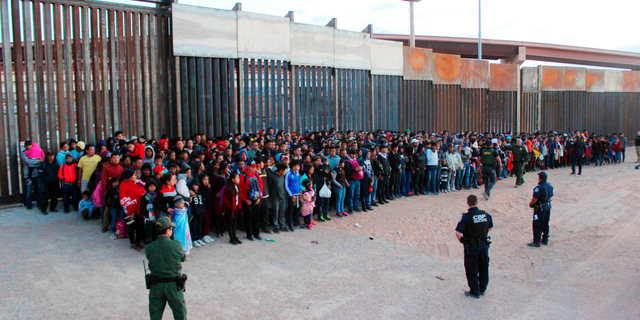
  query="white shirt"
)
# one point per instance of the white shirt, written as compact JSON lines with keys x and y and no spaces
{"x":432,"y":157}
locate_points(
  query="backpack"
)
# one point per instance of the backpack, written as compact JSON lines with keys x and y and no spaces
{"x":358,"y":175}
{"x":254,"y":188}
{"x":121,"y":229}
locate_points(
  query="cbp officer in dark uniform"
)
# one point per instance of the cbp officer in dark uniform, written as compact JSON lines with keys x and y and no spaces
{"x":520,"y":157}
{"x":541,"y":204}
{"x":472,"y":231}
{"x":490,"y":161}
{"x":165,"y":263}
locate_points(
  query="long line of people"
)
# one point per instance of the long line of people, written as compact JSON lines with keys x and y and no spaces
{"x":267,"y":182}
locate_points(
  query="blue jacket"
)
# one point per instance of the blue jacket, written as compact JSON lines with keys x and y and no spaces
{"x":292,"y":183}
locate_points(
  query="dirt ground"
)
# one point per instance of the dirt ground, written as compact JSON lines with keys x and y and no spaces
{"x":61,"y":267}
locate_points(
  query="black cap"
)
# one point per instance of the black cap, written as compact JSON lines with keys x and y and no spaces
{"x":127,"y":174}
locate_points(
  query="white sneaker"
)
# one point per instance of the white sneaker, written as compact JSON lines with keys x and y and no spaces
{"x":205,"y":239}
{"x":113,"y":236}
{"x":196,"y":244}
{"x":202,"y":243}
{"x":208,"y":239}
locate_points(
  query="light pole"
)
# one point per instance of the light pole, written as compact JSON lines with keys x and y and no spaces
{"x":479,"y":29}
{"x":412,"y":39}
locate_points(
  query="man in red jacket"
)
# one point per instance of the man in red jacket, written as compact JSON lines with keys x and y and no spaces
{"x":250,"y":194}
{"x":113,"y":169}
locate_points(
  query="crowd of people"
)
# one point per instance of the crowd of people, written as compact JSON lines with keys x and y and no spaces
{"x":266,"y":182}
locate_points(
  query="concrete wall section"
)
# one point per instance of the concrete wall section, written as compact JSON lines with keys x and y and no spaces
{"x":311,"y":45}
{"x":595,"y":80}
{"x":530,"y":79}
{"x":575,"y":79}
{"x":504,"y":77}
{"x":204,"y":32}
{"x":352,"y":50}
{"x":631,"y":81}
{"x":474,"y":73}
{"x":418,"y":63}
{"x":552,"y":78}
{"x":446,"y":68}
{"x":386,"y":58}
{"x":612,"y":81}
{"x":264,"y":37}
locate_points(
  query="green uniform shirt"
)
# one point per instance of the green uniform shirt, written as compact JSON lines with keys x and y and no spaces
{"x":520,"y":154}
{"x":488,"y":156}
{"x":165,"y":257}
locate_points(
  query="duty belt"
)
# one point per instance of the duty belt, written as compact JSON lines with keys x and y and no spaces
{"x":476,"y":242}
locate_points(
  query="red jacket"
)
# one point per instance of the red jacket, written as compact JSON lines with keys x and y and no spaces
{"x":130,"y":195}
{"x":68,"y":173}
{"x":244,"y":185}
{"x":109,"y":171}
{"x":229,"y":203}
{"x":138,"y":151}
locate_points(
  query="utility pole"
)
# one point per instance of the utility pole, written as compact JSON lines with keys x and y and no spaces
{"x":412,"y":39}
{"x":479,"y":29}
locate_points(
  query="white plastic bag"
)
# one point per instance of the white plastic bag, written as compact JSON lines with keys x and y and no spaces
{"x":325,"y":192}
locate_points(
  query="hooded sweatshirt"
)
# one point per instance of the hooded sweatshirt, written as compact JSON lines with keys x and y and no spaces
{"x":244,"y":185}
{"x":182,"y":189}
{"x":366,"y":165}
{"x":153,"y":156}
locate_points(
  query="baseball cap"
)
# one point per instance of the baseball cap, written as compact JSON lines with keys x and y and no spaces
{"x":158,"y":169}
{"x":164,"y":223}
{"x":252,"y":163}
{"x":414,"y":140}
{"x":80,"y":144}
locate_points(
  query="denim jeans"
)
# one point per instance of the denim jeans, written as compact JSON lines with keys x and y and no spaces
{"x":364,"y":192}
{"x":401,"y":190}
{"x":33,"y":185}
{"x":432,"y":179}
{"x":618,"y":156}
{"x":474,"y":177}
{"x":115,"y":215}
{"x":372,"y":196}
{"x":459,"y":178}
{"x":353,"y":194}
{"x":466,"y":174}
{"x":340,"y":195}
{"x":69,"y":191}
{"x":407,"y":182}
{"x":323,"y":206}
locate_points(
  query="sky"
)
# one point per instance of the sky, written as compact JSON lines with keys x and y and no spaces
{"x":611,"y":24}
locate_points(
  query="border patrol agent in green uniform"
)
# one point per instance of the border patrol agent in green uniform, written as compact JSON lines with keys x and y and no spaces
{"x":520,"y":157}
{"x":490,"y":161}
{"x":166,"y":282}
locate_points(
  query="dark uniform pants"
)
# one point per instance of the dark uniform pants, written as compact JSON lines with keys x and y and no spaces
{"x":476,"y":266}
{"x":541,"y":224}
{"x":160,"y":294}
{"x":488,"y":178}
{"x":518,"y":170}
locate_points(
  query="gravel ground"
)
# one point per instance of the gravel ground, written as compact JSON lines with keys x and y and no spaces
{"x":61,"y":267}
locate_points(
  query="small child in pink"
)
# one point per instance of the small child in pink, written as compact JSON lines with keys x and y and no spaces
{"x":308,"y":198}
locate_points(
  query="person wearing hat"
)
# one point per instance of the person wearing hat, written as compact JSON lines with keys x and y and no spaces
{"x":50,"y":183}
{"x":541,"y":204}
{"x":490,"y":162}
{"x":165,"y":264}
{"x":77,"y":151}
{"x":520,"y":157}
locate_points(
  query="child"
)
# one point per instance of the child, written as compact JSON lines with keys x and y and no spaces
{"x":292,"y":186}
{"x":67,"y":174}
{"x":149,"y":213}
{"x":130,"y":195}
{"x":86,"y":205}
{"x":278,"y":197}
{"x":112,"y":200}
{"x":340,"y":190}
{"x":207,"y":197}
{"x":197,"y":210}
{"x":51,"y":185}
{"x":218,"y":182}
{"x":181,"y":230}
{"x":308,"y":202}
{"x":231,"y":206}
